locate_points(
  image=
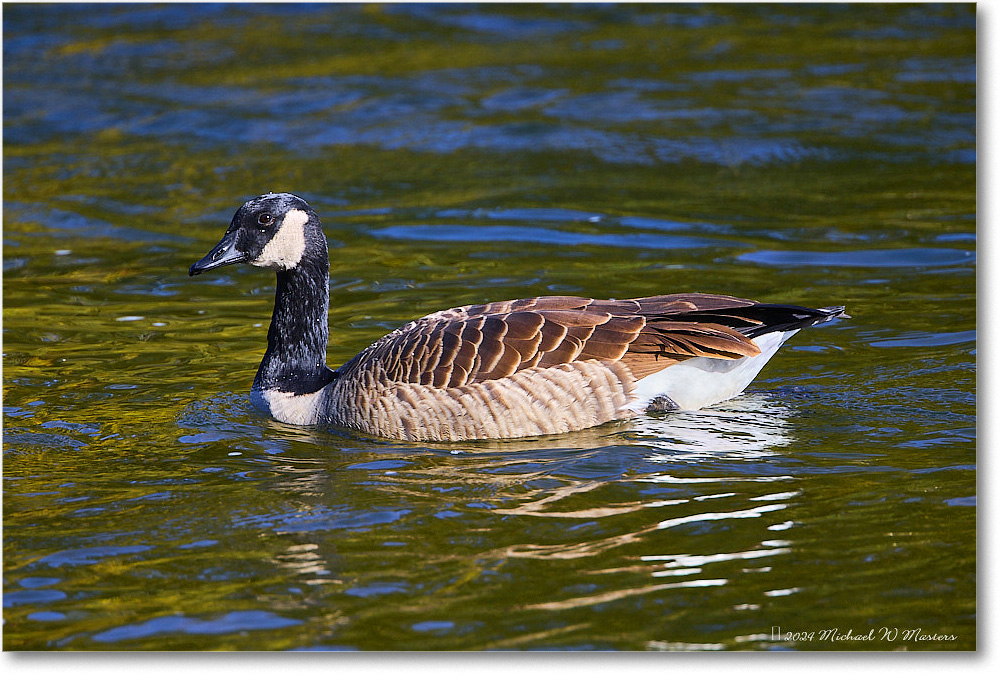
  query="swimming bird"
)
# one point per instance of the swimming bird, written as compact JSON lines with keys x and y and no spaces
{"x":507,"y":369}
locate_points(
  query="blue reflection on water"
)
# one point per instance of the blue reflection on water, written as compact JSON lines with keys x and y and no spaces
{"x":897,"y":257}
{"x":378,"y":588}
{"x":53,"y":91}
{"x":542,"y":235}
{"x":32,"y":597}
{"x":928,"y":339}
{"x":89,"y":555}
{"x":230,"y":623}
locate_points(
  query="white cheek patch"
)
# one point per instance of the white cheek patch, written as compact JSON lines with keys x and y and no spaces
{"x":286,"y":247}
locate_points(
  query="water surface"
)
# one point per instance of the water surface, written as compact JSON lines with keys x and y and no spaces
{"x":819,"y":154}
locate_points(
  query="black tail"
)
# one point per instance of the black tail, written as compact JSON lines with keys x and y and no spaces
{"x":760,"y":319}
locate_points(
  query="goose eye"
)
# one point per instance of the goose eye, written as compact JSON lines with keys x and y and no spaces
{"x":265,"y":219}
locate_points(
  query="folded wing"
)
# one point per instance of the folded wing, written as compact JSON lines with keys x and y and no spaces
{"x":478,"y":343}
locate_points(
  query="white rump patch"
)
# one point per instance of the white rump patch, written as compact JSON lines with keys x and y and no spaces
{"x":286,"y":247}
{"x":703,"y":381}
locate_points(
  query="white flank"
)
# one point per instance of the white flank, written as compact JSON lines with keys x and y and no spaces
{"x":285,"y":249}
{"x":703,"y":381}
{"x":288,"y":407}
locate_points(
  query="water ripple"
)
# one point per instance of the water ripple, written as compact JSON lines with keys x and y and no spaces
{"x":233,"y":622}
{"x":89,"y":555}
{"x":900,"y":257}
{"x":542,"y":235}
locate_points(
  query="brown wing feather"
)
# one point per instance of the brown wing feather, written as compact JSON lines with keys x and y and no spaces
{"x":492,"y":341}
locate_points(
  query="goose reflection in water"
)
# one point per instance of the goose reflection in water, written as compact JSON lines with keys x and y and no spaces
{"x":749,"y":427}
{"x":671,"y":507}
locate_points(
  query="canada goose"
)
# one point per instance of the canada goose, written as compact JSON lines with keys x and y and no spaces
{"x":504,"y":369}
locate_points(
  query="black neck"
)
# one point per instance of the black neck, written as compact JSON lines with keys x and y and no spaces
{"x":295,"y":360}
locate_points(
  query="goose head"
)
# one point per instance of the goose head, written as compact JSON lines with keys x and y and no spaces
{"x":277,"y":231}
